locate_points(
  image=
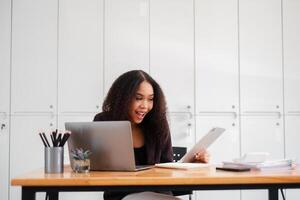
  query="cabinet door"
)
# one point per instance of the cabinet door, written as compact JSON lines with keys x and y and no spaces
{"x":4,"y":56}
{"x":4,"y":155}
{"x":26,"y":147}
{"x":292,"y":138}
{"x":5,"y":23}
{"x":262,"y":134}
{"x":172,"y":51}
{"x":83,"y":117}
{"x":126,"y":38}
{"x":182,"y":128}
{"x":291,"y":41}
{"x":80,"y":75}
{"x":225,"y":148}
{"x":260,"y":55}
{"x":172,"y":63}
{"x":34,"y":56}
{"x":216,"y":56}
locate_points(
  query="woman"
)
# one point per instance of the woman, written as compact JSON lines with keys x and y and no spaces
{"x":136,"y":97}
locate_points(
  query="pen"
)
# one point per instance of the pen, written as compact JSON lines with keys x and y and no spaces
{"x":43,"y":139}
{"x":54,"y":133}
{"x":52,"y":139}
{"x":64,"y":139}
{"x":58,"y":139}
{"x":46,"y":139}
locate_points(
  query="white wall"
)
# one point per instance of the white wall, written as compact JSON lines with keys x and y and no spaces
{"x":233,"y":64}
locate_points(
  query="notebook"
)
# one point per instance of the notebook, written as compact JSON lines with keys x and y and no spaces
{"x":186,"y":166}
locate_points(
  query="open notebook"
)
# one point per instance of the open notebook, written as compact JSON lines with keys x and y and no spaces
{"x":186,"y":166}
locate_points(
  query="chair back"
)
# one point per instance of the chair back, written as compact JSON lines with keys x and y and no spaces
{"x":178,"y":153}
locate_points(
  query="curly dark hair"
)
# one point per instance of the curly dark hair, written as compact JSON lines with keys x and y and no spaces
{"x":120,"y":96}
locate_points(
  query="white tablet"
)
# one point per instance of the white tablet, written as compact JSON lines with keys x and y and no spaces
{"x":203,"y":143}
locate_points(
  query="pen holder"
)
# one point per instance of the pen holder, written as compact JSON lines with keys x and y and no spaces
{"x":54,"y":159}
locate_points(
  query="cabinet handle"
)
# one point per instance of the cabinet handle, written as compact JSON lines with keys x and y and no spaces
{"x":189,"y":133}
{"x":262,"y":113}
{"x":2,"y":126}
{"x":293,"y":113}
{"x":77,"y":112}
{"x":217,"y":113}
{"x":34,"y":113}
{"x":189,"y":114}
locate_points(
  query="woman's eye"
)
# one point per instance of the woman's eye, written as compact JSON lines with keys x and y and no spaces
{"x":138,"y":98}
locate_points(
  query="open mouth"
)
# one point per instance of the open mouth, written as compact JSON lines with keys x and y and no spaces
{"x":140,"y":115}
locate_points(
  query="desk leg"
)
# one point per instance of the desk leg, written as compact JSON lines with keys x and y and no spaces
{"x":53,"y":195}
{"x":28,"y":194}
{"x":273,"y":193}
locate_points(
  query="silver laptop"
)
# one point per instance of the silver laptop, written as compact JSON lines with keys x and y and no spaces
{"x":109,"y":141}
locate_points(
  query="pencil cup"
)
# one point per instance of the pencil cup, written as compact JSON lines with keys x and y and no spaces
{"x":54,"y":159}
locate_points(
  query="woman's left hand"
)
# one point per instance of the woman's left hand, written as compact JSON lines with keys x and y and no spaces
{"x":202,"y":156}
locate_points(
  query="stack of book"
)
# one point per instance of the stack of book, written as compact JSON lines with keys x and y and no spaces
{"x":285,"y":164}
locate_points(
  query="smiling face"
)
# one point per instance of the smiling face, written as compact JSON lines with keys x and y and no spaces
{"x":141,"y":103}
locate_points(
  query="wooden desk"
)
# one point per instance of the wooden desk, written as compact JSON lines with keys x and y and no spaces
{"x":154,"y":179}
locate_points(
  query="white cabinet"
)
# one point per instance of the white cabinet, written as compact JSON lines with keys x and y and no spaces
{"x":217,"y":81}
{"x":4,"y":151}
{"x":172,"y":50}
{"x":262,"y":134}
{"x":261,"y":80}
{"x":5,"y":23}
{"x":225,"y":148}
{"x":260,"y":55}
{"x":4,"y":155}
{"x":80,"y":67}
{"x":4,"y":56}
{"x":292,"y":138}
{"x":34,"y":56}
{"x":26,"y":147}
{"x":216,"y":56}
{"x":126,"y":38}
{"x":291,"y":41}
{"x":172,"y":63}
